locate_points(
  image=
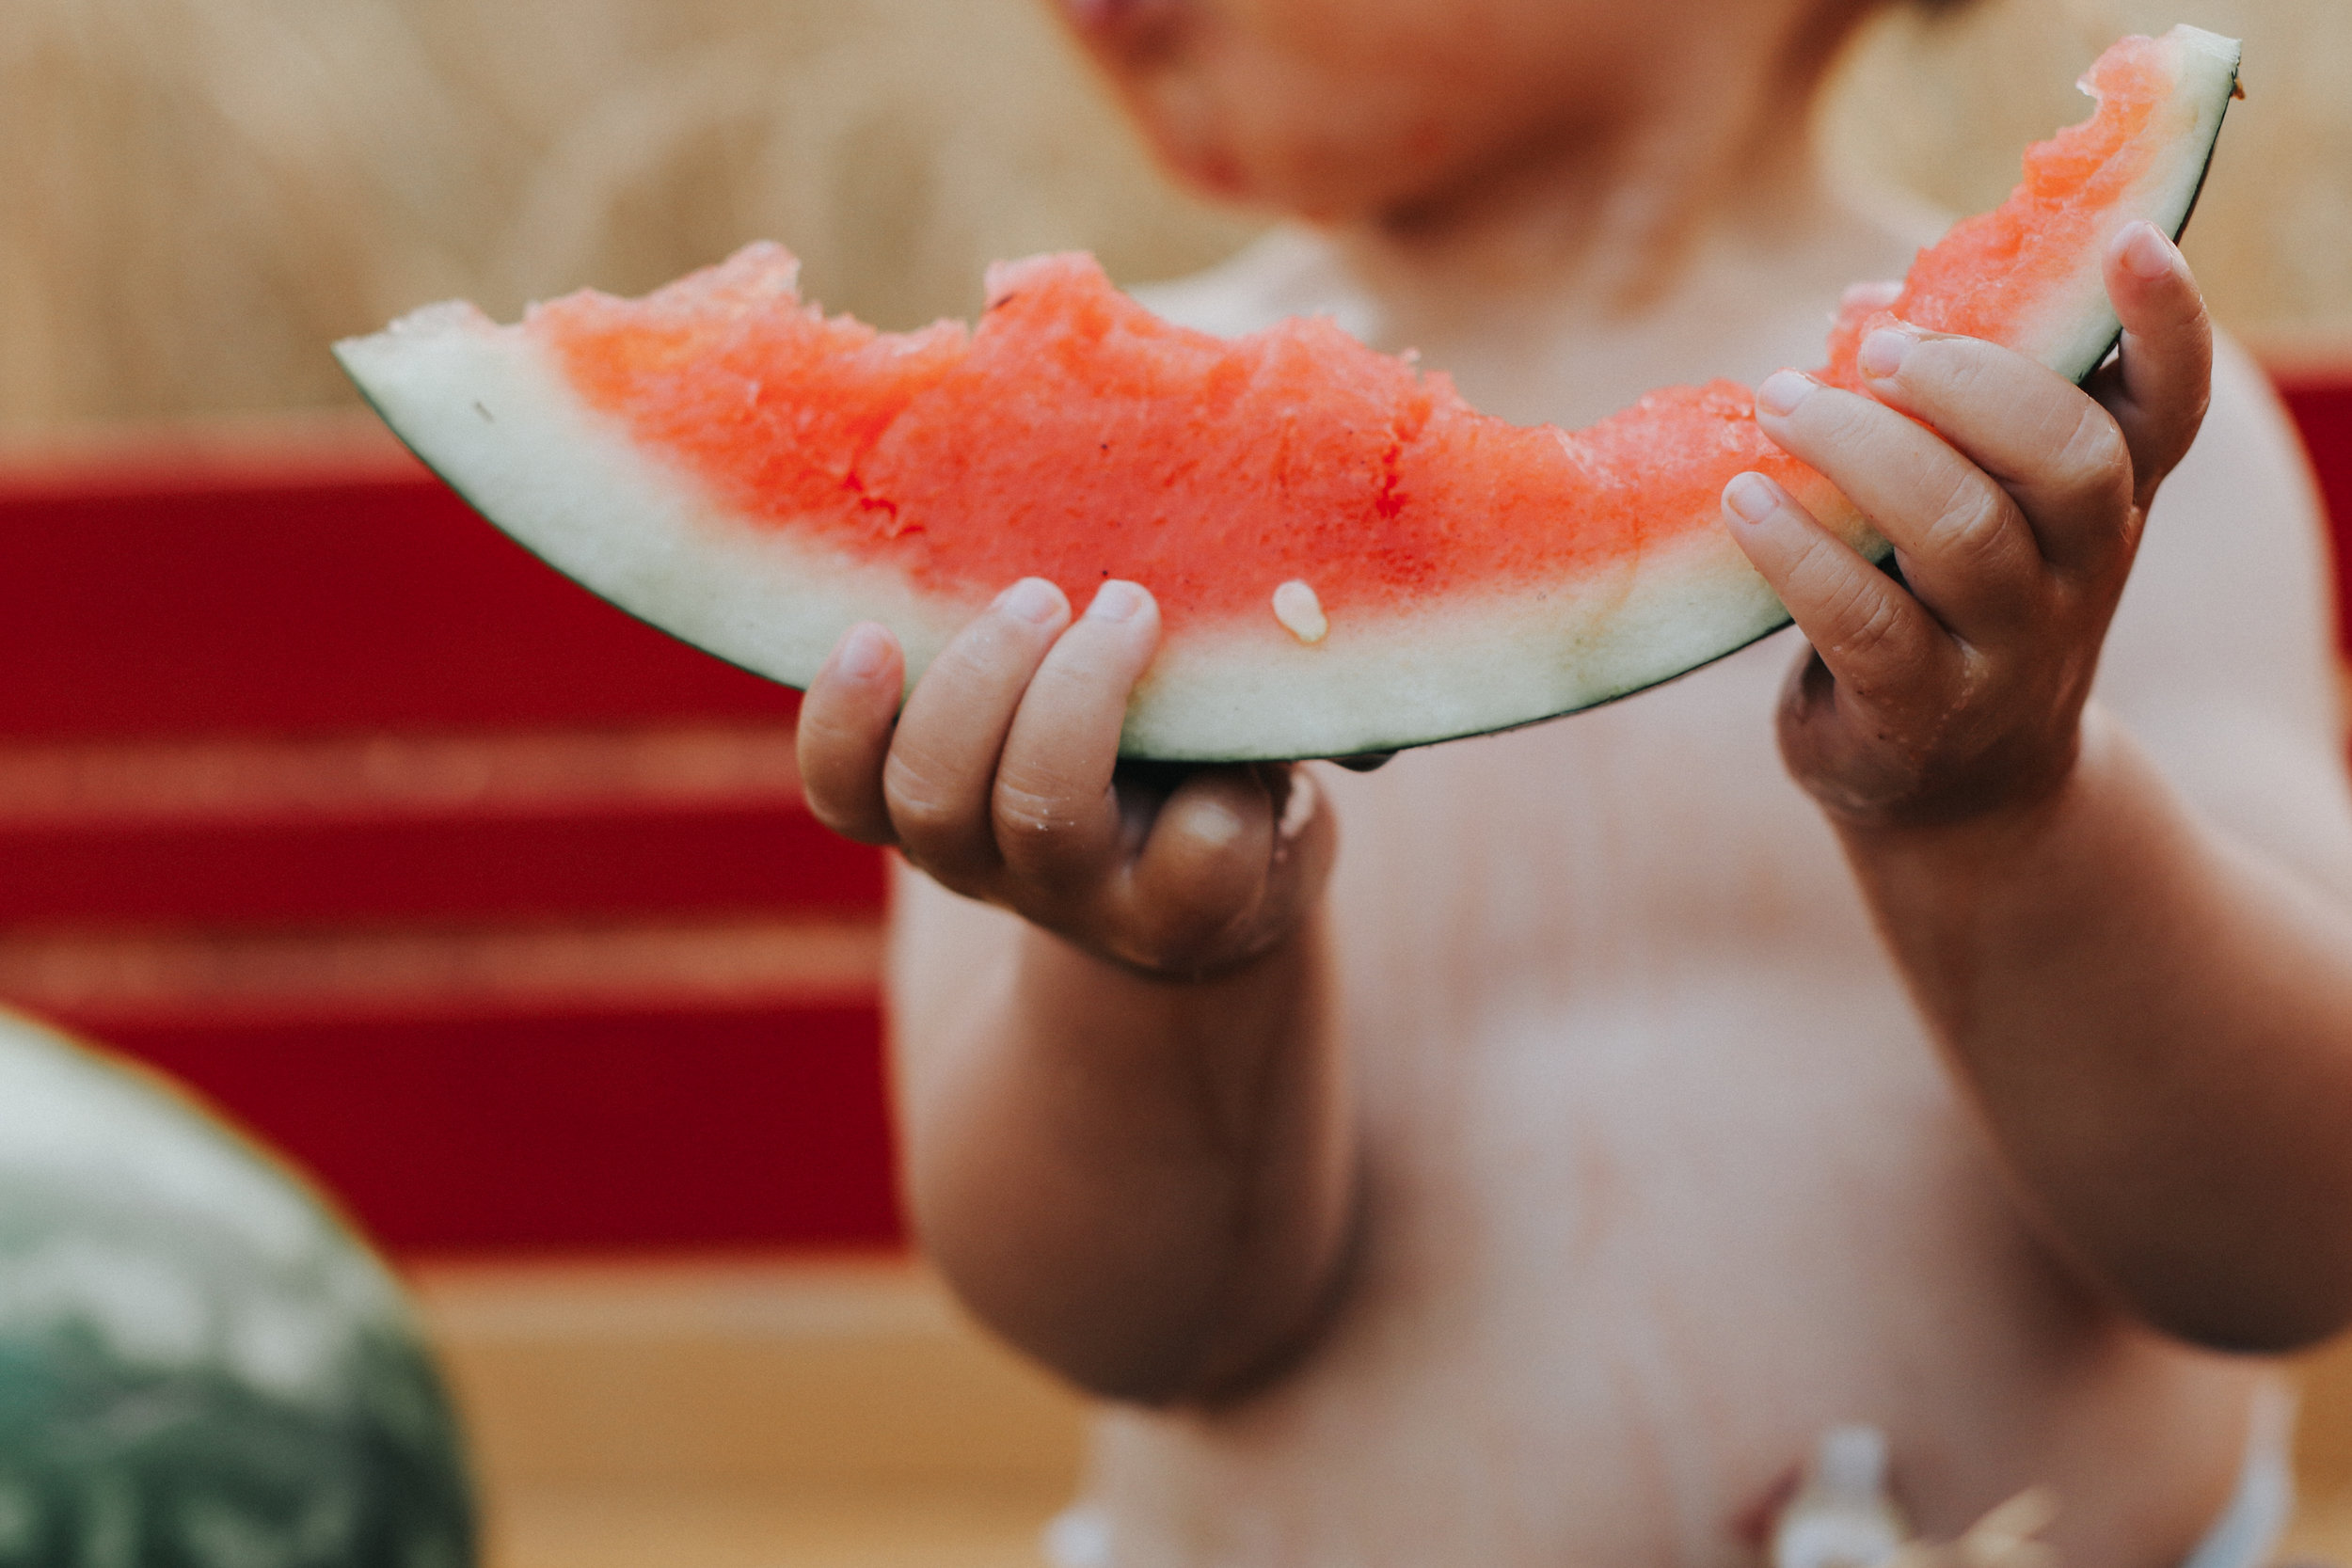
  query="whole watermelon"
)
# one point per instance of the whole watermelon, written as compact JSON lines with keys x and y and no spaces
{"x":200,"y":1367}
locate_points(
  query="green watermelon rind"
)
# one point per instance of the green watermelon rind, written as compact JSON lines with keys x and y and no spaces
{"x":469,"y":397}
{"x":200,"y":1360}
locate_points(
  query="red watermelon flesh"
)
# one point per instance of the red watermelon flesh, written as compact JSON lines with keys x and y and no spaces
{"x":1346,"y":555}
{"x":1078,"y":436}
{"x":2016,"y":275}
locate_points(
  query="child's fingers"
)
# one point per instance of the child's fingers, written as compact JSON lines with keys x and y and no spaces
{"x":844,"y":733}
{"x":1874,"y":636}
{"x":1203,"y":870}
{"x":941,"y":767}
{"x":1056,"y":815}
{"x":2158,"y":389}
{"x":1235,"y":858}
{"x":1966,"y":550}
{"x":2058,"y":455}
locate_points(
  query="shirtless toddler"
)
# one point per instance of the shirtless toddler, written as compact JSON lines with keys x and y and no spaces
{"x":1517,"y":1155}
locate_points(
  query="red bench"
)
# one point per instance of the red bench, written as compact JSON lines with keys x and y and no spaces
{"x":492,"y":905}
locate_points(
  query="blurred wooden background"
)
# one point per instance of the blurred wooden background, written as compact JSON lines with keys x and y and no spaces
{"x":196,"y":195}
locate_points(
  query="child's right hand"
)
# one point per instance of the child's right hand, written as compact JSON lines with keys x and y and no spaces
{"x":1000,"y":779}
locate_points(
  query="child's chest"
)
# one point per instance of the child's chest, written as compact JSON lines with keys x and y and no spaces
{"x":1663,"y":1174}
{"x":1618,"y":1011}
{"x":1650,"y":853}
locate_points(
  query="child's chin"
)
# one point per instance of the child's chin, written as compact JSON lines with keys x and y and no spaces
{"x":1314,"y":200}
{"x":1115,"y":21}
{"x":1232,"y":168}
{"x":1220,"y":175}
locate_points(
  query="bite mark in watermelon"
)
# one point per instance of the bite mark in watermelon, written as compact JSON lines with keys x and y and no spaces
{"x":1348,"y":557}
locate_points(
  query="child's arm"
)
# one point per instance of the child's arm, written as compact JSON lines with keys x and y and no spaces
{"x":1126,"y":1137}
{"x":2156,"y":1020}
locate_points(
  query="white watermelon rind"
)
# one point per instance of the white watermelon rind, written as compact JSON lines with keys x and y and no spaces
{"x":489,"y":410}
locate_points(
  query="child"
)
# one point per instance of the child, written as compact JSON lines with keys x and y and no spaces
{"x":1516,"y":1156}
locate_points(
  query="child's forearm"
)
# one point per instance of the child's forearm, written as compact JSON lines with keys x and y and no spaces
{"x":2158,"y":1026}
{"x":1147,"y":1184}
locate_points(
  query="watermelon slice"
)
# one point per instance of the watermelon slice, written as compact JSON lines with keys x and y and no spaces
{"x":1348,"y":557}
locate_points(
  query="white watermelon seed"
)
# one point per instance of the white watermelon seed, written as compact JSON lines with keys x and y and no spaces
{"x":1296,"y":606}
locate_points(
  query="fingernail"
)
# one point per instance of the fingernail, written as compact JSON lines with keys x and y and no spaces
{"x":1884,"y":352}
{"x":1116,"y":601}
{"x":2146,"y":253}
{"x":1213,"y":823}
{"x":1752,"y":497}
{"x":1032,"y":599}
{"x":1783,"y":390}
{"x":863,"y":652}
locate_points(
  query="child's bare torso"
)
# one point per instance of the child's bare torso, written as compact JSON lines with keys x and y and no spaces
{"x":1664,"y":1176}
{"x":1664,"y":1179}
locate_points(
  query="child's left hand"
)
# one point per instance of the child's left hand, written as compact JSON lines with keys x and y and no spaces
{"x":2014,"y":501}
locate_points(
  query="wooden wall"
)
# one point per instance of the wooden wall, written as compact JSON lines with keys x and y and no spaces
{"x":196,"y":195}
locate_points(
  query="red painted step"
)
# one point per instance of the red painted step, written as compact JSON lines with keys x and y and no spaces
{"x":375,"y":872}
{"x":614,"y":1088}
{"x":590,"y":1130}
{"x":2321,"y":401}
{"x":388,"y":828}
{"x":319,"y":586}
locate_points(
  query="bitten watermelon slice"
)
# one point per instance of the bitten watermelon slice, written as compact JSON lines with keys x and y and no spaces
{"x":1348,"y":557}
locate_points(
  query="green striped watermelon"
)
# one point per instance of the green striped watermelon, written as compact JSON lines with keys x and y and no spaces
{"x":1348,"y":557}
{"x":201,"y":1365}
